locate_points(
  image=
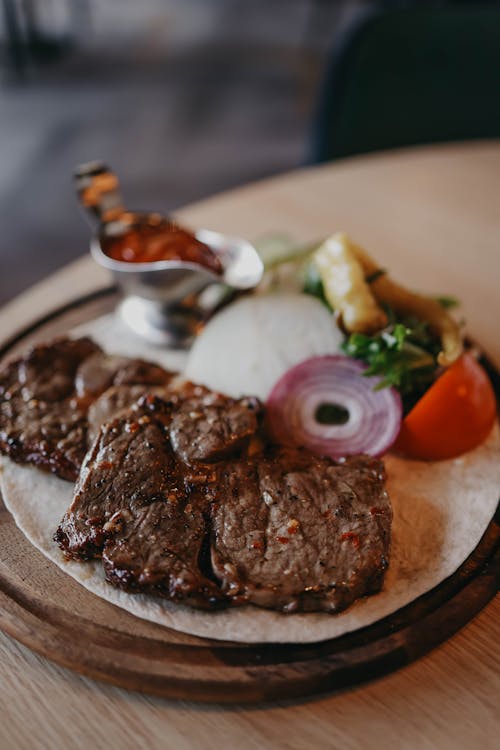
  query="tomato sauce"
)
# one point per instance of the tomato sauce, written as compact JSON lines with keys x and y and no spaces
{"x":151,"y":241}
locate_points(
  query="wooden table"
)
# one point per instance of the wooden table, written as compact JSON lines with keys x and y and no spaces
{"x":432,"y":216}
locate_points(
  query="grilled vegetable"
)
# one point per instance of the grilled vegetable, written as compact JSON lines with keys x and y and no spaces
{"x":345,"y":287}
{"x":405,"y":303}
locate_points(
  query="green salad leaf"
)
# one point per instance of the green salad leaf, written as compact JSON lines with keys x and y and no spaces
{"x":313,"y":284}
{"x":404,"y":354}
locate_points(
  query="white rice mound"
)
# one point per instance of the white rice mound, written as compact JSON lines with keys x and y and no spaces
{"x":247,"y":347}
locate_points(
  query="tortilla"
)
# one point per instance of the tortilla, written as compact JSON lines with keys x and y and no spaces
{"x":441,"y":510}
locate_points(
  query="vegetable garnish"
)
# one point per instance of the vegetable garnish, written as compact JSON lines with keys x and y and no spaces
{"x":359,"y":291}
{"x":426,"y":309}
{"x":408,"y":342}
{"x":454,"y":416}
{"x":404,"y":354}
{"x":327,"y":406}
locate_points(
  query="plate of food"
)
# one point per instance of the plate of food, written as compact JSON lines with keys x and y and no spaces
{"x":303,"y":499}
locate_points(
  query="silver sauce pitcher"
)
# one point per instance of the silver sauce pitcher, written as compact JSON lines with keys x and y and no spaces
{"x":164,"y":301}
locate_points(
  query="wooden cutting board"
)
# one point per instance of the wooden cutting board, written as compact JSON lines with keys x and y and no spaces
{"x":56,"y":617}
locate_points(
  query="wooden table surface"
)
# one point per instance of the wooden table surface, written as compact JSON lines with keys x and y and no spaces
{"x":431,"y":215}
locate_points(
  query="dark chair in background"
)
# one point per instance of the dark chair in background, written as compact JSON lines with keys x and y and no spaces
{"x":406,"y":77}
{"x":27,"y":44}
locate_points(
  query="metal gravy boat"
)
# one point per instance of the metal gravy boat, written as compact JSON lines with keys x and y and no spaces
{"x":164,"y":301}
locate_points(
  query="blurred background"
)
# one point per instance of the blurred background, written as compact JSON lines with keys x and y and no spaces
{"x":183,"y":98}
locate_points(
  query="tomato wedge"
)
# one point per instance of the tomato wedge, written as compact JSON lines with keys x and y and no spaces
{"x":454,"y":416}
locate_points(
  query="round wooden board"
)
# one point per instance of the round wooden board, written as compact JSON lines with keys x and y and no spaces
{"x":56,"y":617}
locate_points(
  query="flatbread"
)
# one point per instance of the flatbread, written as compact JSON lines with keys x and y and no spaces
{"x":441,"y":511}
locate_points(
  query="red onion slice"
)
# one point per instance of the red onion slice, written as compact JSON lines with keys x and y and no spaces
{"x":370,"y":419}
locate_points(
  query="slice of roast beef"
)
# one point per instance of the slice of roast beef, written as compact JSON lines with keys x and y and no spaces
{"x":209,"y":426}
{"x":113,"y":402}
{"x":96,"y":374}
{"x":135,"y":507}
{"x":45,"y":396}
{"x":203,"y":425}
{"x":47,"y":372}
{"x":295,"y":532}
{"x":101,"y":371}
{"x":40,"y":420}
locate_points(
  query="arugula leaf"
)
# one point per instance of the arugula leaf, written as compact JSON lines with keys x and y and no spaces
{"x":404,"y":354}
{"x":448,"y":302}
{"x":313,"y":285}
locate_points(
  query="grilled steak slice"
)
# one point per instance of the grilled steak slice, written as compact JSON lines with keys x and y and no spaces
{"x":113,"y":402}
{"x":45,"y":395}
{"x":96,"y":374}
{"x":99,"y":372}
{"x":135,"y":371}
{"x":47,"y":372}
{"x":40,"y":421}
{"x":203,"y":425}
{"x":135,"y":507}
{"x":295,"y":532}
{"x":209,"y":426}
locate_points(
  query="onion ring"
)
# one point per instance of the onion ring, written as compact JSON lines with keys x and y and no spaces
{"x":328,"y":406}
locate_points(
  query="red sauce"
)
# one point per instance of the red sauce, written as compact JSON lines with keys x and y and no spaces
{"x":351,"y":537}
{"x":282,"y":539}
{"x":154,"y":240}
